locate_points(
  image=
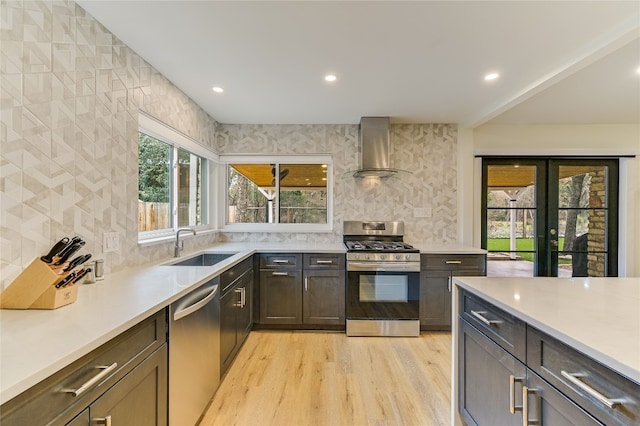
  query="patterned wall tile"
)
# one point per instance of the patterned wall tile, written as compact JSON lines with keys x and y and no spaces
{"x":70,"y":97}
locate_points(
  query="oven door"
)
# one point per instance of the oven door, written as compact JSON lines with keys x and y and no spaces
{"x":383,"y":295}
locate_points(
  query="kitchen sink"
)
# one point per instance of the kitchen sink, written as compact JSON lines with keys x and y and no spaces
{"x":203,"y":259}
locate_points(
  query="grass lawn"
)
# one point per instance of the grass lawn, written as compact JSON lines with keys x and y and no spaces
{"x":522,"y":244}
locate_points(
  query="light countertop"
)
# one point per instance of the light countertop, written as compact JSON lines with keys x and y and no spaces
{"x":599,"y":317}
{"x":34,"y":344}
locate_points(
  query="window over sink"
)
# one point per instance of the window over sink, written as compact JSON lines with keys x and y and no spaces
{"x":173,"y":181}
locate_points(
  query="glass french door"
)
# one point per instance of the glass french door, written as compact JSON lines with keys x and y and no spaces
{"x":550,"y":216}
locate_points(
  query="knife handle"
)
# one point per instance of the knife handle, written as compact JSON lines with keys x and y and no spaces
{"x":66,"y":280}
{"x":68,"y":252}
{"x":57,"y":247}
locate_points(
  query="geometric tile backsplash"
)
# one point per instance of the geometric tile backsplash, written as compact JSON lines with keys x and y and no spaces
{"x":70,"y":95}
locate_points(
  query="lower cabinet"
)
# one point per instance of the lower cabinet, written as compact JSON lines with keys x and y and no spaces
{"x":235,"y":311}
{"x":436,"y":271}
{"x":497,"y":389}
{"x":122,"y":382}
{"x":140,"y":398}
{"x":302,"y":290}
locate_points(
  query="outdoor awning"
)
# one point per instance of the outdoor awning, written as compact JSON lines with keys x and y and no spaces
{"x":302,"y":176}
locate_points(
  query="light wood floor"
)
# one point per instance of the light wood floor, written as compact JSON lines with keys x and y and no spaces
{"x":315,"y":378}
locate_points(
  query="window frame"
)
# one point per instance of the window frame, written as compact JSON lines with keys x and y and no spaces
{"x":226,"y":160}
{"x":176,"y":140}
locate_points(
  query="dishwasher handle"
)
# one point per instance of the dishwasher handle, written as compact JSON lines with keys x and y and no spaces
{"x":199,"y":304}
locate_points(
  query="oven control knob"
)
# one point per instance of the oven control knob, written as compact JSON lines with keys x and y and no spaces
{"x":398,"y":257}
{"x":368,"y":257}
{"x":383,"y":257}
{"x":408,"y":257}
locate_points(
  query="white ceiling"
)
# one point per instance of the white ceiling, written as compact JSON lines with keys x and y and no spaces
{"x":420,"y":61}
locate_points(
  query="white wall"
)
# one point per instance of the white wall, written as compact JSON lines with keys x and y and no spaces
{"x":540,"y":139}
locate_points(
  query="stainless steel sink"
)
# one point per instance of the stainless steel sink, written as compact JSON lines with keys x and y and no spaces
{"x":203,"y":259}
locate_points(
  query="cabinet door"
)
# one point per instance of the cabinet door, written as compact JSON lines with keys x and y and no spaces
{"x":323,"y":297}
{"x":545,"y":406}
{"x":484,"y":380}
{"x":82,"y":419}
{"x":139,"y":398}
{"x":228,"y":333}
{"x":435,"y":300}
{"x":281,"y":297}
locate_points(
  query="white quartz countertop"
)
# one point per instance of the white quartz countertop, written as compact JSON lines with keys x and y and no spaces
{"x":599,"y":317}
{"x":447,"y":249}
{"x":36,"y":343}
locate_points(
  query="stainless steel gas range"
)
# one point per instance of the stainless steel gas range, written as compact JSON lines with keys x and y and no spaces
{"x":383,"y":280}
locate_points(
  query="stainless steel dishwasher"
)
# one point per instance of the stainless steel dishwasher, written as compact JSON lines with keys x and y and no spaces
{"x":194,"y":353}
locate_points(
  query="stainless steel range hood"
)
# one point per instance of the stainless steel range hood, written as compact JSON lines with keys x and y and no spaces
{"x":374,"y":148}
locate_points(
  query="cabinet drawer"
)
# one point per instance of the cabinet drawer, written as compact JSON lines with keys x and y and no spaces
{"x":280,"y":261}
{"x":578,"y":376}
{"x":500,"y":326}
{"x":323,"y":261}
{"x":51,"y":400}
{"x":451,"y":262}
{"x":230,"y":275}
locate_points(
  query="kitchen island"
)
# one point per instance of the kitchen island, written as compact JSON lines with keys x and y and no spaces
{"x":597,"y":319}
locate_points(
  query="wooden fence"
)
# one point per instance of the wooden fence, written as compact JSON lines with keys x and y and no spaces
{"x":152,"y":216}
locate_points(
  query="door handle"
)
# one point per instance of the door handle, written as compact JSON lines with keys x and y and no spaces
{"x":106,"y":369}
{"x":525,"y":407}
{"x":106,"y":421}
{"x":512,"y":393}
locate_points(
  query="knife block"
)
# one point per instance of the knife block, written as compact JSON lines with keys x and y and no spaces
{"x":35,"y":288}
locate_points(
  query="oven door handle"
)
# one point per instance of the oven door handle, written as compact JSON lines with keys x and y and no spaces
{"x":386,"y":267}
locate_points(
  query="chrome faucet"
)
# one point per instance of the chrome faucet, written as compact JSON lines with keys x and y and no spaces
{"x":180,"y":245}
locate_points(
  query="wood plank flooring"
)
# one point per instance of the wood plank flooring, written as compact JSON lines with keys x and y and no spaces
{"x":315,"y":378}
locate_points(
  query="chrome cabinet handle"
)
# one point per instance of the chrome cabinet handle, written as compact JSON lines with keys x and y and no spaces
{"x":238,"y":303}
{"x":281,"y":274}
{"x":106,"y":369}
{"x":512,"y":393}
{"x":324,"y":262}
{"x":453,"y":262}
{"x":306,"y":284}
{"x":243,"y":297}
{"x":449,"y":283}
{"x":525,"y":407}
{"x":575,"y":379}
{"x":480,"y":315}
{"x":280,"y":261}
{"x":106,"y":421}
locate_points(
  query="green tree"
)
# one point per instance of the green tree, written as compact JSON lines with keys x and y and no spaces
{"x":154,"y":159}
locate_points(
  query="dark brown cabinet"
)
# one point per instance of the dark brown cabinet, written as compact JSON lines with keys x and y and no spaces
{"x":323,"y":298}
{"x":436,"y":271}
{"x":509,"y":372}
{"x":302,"y":290}
{"x":235,"y":311}
{"x":123,"y":381}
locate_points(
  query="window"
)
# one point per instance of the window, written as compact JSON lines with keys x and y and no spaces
{"x":172,"y":181}
{"x":279,"y":194}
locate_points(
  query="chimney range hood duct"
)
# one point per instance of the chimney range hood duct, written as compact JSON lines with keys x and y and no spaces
{"x":374,"y":148}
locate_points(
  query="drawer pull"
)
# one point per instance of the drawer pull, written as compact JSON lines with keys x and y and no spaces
{"x":575,"y":379}
{"x":481,"y":316}
{"x":512,"y":393}
{"x":324,"y":262}
{"x":306,"y":284}
{"x":453,"y":262}
{"x":280,"y":261}
{"x":106,"y":369}
{"x":281,"y":274}
{"x":106,"y":421}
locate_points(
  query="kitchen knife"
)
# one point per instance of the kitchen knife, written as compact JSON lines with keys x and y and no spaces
{"x":69,"y":245}
{"x":66,"y":280}
{"x":57,"y":248}
{"x":77,"y":261}
{"x":81,"y":275}
{"x":68,"y":252}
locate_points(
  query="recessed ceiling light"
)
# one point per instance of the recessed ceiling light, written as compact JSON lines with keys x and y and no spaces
{"x":218,"y":89}
{"x":638,"y":70}
{"x":330,"y":77}
{"x":491,"y":76}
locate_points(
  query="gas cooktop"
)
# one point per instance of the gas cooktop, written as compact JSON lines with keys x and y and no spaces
{"x":380,"y":246}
